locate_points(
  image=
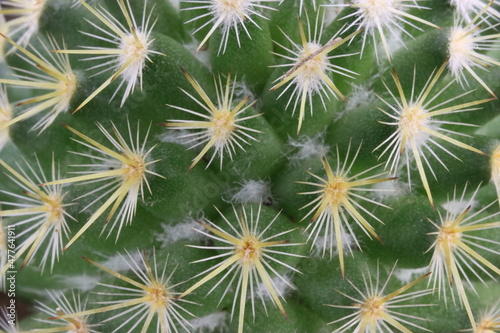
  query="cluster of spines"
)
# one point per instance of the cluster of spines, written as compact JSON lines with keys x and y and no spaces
{"x":408,"y":109}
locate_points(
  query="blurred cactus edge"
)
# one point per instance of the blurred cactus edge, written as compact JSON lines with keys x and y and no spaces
{"x":257,"y":166}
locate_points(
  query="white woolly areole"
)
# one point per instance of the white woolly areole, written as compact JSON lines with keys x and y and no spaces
{"x":323,"y":244}
{"x":184,"y":230}
{"x":360,"y":95}
{"x":130,"y":47}
{"x":377,"y":13}
{"x":135,"y":51}
{"x":227,"y":14}
{"x":468,"y":9}
{"x":394,"y":188}
{"x":381,"y":19}
{"x":465,"y":7}
{"x":212,"y":323}
{"x":406,"y":275}
{"x":231,"y":11}
{"x":27,"y":20}
{"x":412,"y":121}
{"x":202,"y":55}
{"x":456,"y":207}
{"x":252,"y":191}
{"x":472,"y":47}
{"x":309,"y":78}
{"x":461,"y":45}
{"x":331,"y":12}
{"x":118,"y":262}
{"x":176,"y":4}
{"x":35,"y":291}
{"x":242,"y":90}
{"x":175,"y":136}
{"x":394,"y":43}
{"x":305,"y":147}
{"x":283,"y":286}
{"x":82,"y":282}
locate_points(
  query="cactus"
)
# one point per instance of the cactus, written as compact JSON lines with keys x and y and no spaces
{"x":250,"y":165}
